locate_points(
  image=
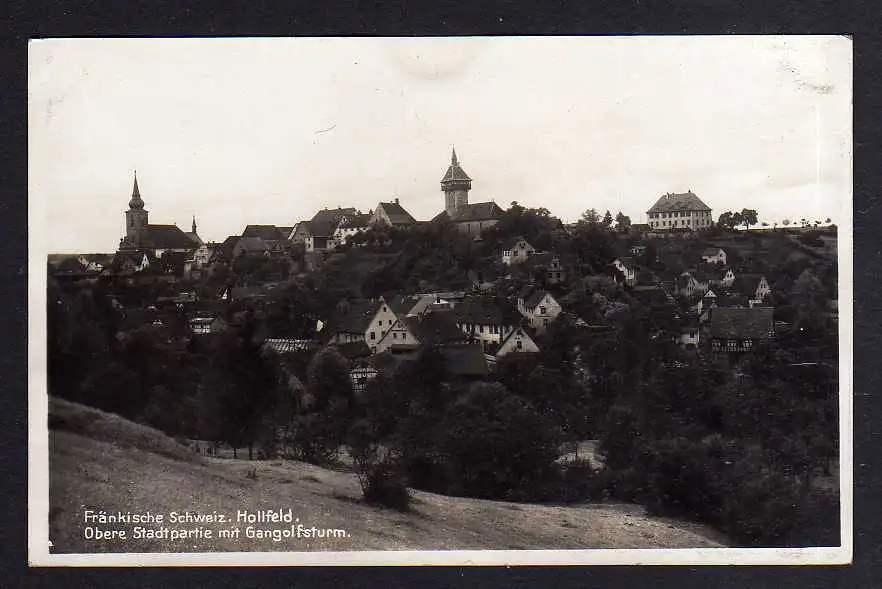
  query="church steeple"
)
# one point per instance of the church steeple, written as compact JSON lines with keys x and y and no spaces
{"x":453,"y":161}
{"x":194,"y":225}
{"x":136,"y":216}
{"x":136,"y":202}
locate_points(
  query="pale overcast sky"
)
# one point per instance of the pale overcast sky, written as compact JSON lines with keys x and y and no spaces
{"x":267,"y":131}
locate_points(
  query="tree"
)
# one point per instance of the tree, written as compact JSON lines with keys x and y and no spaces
{"x":607,"y":219}
{"x":590,"y":217}
{"x":748,"y":218}
{"x":498,"y":445}
{"x":725,"y":221}
{"x":737,"y":219}
{"x":786,"y":222}
{"x":623,"y":222}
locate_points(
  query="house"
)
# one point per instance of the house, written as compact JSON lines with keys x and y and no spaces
{"x":516,"y":250}
{"x":753,"y":286}
{"x":203,"y":325}
{"x":244,"y":293}
{"x":361,"y":373}
{"x":740,"y":329}
{"x":679,"y":211}
{"x":538,"y":306}
{"x":637,"y":250}
{"x":204,"y":255}
{"x":95,"y":262}
{"x":382,"y":321}
{"x":351,"y":320}
{"x":628,"y":268}
{"x":127,"y":262}
{"x":251,"y":246}
{"x":317,"y":234}
{"x":392,"y":214}
{"x":431,"y":329}
{"x":350,"y":226}
{"x":547,"y":266}
{"x":692,"y":284}
{"x":485,"y":321}
{"x":275,"y":238}
{"x":518,"y":341}
{"x":714,"y":255}
{"x":728,"y":278}
{"x":689,"y":332}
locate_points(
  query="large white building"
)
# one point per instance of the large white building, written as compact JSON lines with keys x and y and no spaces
{"x":679,"y":211}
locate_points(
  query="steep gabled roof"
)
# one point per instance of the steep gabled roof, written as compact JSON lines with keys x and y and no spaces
{"x":686,"y":201}
{"x":356,"y":222}
{"x":265,"y":232}
{"x":396,"y":213}
{"x":251,"y":244}
{"x":325,"y":222}
{"x":355,"y":317}
{"x":746,"y":284}
{"x":477,"y":312}
{"x":479,"y":211}
{"x":710,"y":251}
{"x":742,"y":322}
{"x":165,"y":237}
{"x":510,"y":242}
{"x":534,"y":297}
{"x":435,"y":329}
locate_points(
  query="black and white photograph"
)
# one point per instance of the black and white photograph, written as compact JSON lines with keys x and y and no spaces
{"x":452,"y":300}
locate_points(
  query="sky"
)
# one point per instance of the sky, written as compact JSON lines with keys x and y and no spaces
{"x":268,"y":131}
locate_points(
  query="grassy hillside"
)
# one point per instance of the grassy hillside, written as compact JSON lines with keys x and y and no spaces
{"x":100,"y":461}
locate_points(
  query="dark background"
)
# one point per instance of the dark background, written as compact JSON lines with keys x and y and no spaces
{"x":26,"y":20}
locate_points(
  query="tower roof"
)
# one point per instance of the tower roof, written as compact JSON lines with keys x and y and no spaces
{"x":455,"y":173}
{"x":136,"y":202}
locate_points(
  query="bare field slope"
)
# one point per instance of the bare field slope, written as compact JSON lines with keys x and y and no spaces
{"x":100,"y":461}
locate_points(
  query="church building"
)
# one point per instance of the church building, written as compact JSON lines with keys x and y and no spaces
{"x":141,"y":236}
{"x":473,"y":218}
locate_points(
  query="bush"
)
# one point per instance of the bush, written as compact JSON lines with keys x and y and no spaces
{"x":579,"y":481}
{"x":383,"y":484}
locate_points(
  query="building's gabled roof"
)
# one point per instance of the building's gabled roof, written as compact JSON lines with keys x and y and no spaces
{"x":478,"y":312}
{"x":686,"y":201}
{"x":627,"y":262}
{"x":742,"y":322}
{"x":286,"y":231}
{"x":403,"y":305}
{"x":69,"y":264}
{"x":479,"y":211}
{"x":532,"y":296}
{"x":710,"y":251}
{"x":396,"y":213}
{"x":354,"y":317}
{"x":510,"y":242}
{"x":165,"y":237}
{"x":435,"y":329}
{"x":746,"y":284}
{"x":325,"y":222}
{"x":465,"y":360}
{"x":281,"y":345}
{"x":519,"y":331}
{"x":455,"y":173}
{"x":265,"y":232}
{"x":354,"y":350}
{"x":356,"y":222}
{"x":251,"y":244}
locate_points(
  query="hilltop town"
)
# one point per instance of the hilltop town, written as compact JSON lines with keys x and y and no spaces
{"x":471,"y":353}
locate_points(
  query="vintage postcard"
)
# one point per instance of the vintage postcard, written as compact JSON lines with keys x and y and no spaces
{"x":368,"y":301}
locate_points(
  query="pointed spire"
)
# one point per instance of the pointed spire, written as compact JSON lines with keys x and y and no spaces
{"x":135,"y":191}
{"x":453,"y":161}
{"x":194,"y":224}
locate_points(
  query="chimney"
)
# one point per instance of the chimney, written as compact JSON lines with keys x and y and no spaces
{"x":396,"y":200}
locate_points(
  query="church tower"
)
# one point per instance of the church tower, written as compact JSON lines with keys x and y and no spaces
{"x":136,"y":216}
{"x":456,"y":185}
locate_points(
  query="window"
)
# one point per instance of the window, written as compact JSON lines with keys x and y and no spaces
{"x":545,"y":322}
{"x":384,"y":309}
{"x":381,"y":323}
{"x":394,"y":335}
{"x":403,"y":336}
{"x":520,"y":345}
{"x":748,"y":344}
{"x":732,"y":344}
{"x":373,"y":335}
{"x":542,"y":310}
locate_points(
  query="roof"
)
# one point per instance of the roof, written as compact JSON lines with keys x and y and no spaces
{"x":357,"y":221}
{"x":354,"y":316}
{"x":435,"y":328}
{"x":280,"y":345}
{"x":478,"y":312}
{"x":686,"y":201}
{"x":510,"y":242}
{"x":251,"y":244}
{"x":710,"y":251}
{"x":746,"y":284}
{"x":353,"y":350}
{"x":531,"y":296}
{"x":286,"y":231}
{"x":396,"y":213}
{"x":519,"y":332}
{"x":479,"y":211}
{"x":265,"y":232}
{"x":325,"y":222}
{"x":742,"y":322}
{"x":465,"y":360}
{"x":455,"y":173}
{"x":165,"y":237}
